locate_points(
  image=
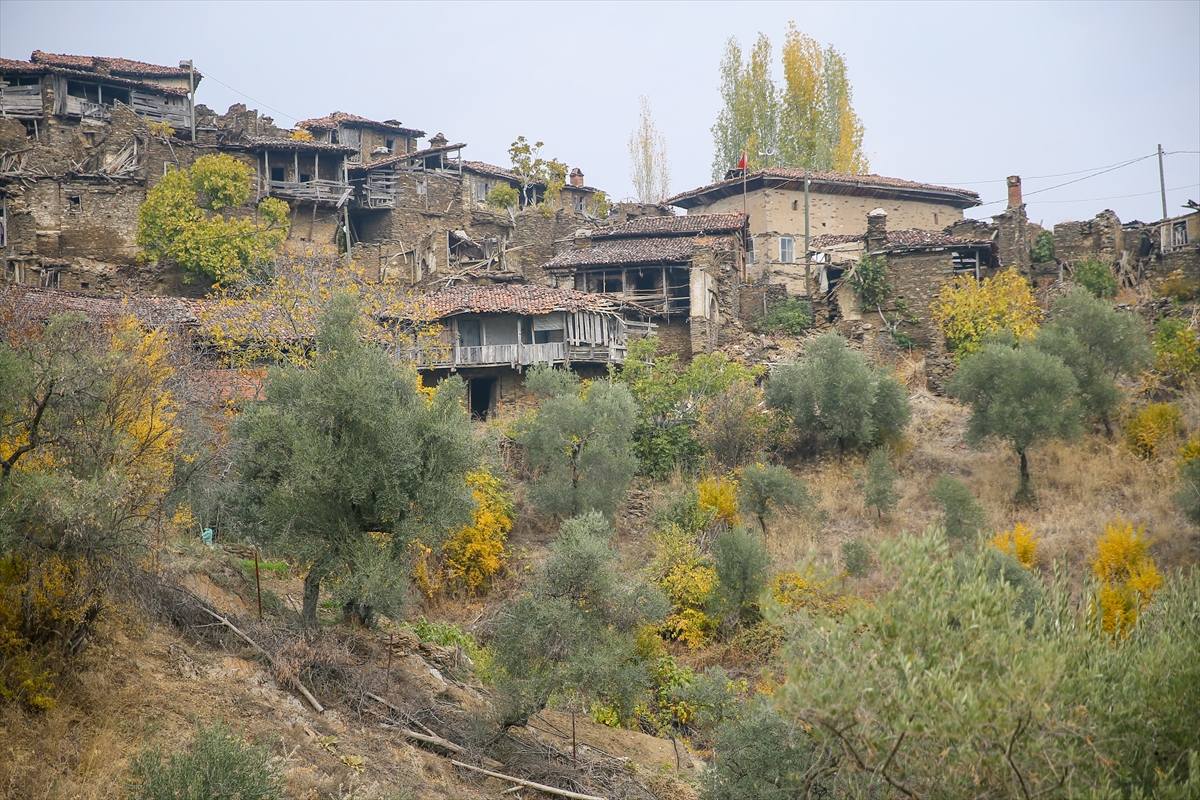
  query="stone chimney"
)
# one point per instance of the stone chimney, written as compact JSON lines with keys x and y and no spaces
{"x":577,"y":177}
{"x":876,"y":230}
{"x":439,"y":140}
{"x":1014,"y":191}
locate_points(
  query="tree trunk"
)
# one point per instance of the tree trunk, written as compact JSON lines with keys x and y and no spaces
{"x":1024,"y":491}
{"x":312,"y":592}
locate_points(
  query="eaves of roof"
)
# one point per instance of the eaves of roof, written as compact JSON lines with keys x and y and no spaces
{"x":787,"y":178}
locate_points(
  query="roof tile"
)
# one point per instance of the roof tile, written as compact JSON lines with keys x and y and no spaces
{"x":116,"y":66}
{"x":516,"y":299}
{"x":819,"y":177}
{"x":331,"y":121}
{"x":688,"y":225}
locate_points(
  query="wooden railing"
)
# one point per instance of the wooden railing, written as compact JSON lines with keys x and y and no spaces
{"x":316,"y":191}
{"x":518,"y":355}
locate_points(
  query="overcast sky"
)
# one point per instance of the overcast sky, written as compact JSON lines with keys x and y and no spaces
{"x":960,"y":94}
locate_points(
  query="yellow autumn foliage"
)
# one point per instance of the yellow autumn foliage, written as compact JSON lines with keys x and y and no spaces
{"x":475,"y":552}
{"x":275,"y":320}
{"x":1128,"y":576}
{"x":792,"y":591}
{"x":1148,"y":427}
{"x":969,"y":310}
{"x":687,"y":577}
{"x":718,"y":496}
{"x":1018,"y":543}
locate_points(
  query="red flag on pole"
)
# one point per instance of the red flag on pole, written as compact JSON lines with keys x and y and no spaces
{"x":742,"y":163}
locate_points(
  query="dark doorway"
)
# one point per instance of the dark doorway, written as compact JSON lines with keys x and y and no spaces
{"x":481,"y":397}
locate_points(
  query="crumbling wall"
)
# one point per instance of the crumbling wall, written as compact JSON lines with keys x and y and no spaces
{"x":916,"y":279}
{"x":1101,"y":237}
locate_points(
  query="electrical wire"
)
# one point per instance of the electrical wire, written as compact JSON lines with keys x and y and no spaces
{"x":1066,"y":174}
{"x":1116,"y":197}
{"x":208,"y":74}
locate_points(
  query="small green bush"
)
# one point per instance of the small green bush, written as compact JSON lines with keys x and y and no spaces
{"x":878,"y":482}
{"x":870,"y":282}
{"x":856,"y":558}
{"x":1097,"y":277}
{"x":764,"y":755}
{"x":790,"y":315}
{"x":742,"y":562}
{"x":218,"y":766}
{"x":1176,"y":348}
{"x":962,"y":517}
{"x":765,"y":490}
{"x":1043,"y":248}
{"x":502,"y":197}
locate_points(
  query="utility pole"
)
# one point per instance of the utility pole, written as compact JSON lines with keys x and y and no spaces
{"x":807,"y":264}
{"x":1162,"y":182}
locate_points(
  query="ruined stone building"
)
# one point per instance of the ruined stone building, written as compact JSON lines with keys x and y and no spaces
{"x":686,"y":270}
{"x":919,"y":264}
{"x":838,"y":204}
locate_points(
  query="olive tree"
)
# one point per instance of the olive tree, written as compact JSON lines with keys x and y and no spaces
{"x":346,"y":463}
{"x":1018,"y":395}
{"x":578,"y":442}
{"x":835,"y":398}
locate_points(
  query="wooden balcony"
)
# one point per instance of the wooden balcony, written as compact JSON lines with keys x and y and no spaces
{"x":520,"y":355}
{"x":320,"y":191}
{"x":20,"y":101}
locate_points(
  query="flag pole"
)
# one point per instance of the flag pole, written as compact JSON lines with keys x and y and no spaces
{"x":745,"y":168}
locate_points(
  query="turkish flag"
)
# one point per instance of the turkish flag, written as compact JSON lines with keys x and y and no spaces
{"x":742,"y":163}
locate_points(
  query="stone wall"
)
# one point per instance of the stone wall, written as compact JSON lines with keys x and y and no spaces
{"x":916,"y":279}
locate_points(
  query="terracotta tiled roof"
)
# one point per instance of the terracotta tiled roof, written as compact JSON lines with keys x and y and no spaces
{"x":625,"y":252}
{"x":288,"y":143}
{"x":517,"y":299}
{"x":688,"y":225}
{"x":911,"y":239}
{"x":45,"y":303}
{"x":331,"y":121}
{"x":484,"y":168}
{"x":116,"y":66}
{"x":827,"y":183}
{"x":8,"y":65}
{"x":402,"y":157}
{"x":12,"y":65}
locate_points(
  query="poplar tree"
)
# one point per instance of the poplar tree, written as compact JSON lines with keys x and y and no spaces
{"x":649,"y":169}
{"x":809,"y":121}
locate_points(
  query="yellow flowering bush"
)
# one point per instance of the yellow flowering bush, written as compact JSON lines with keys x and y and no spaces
{"x":1147,"y":428}
{"x":718,"y":496}
{"x":969,"y":311}
{"x":687,"y":577}
{"x":792,"y":591}
{"x":1128,"y":576}
{"x":1018,"y":543}
{"x":475,"y":552}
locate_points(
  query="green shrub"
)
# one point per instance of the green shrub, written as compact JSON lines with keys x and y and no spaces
{"x":765,"y":490}
{"x":578,"y":442}
{"x":836,"y":399}
{"x":1097,"y":277}
{"x":742,"y":562}
{"x":870,"y":282}
{"x":1043,"y":247}
{"x":790,"y":315}
{"x":1176,"y":348}
{"x":218,"y":766}
{"x":1179,"y":286}
{"x":764,"y":755}
{"x":962,"y":517}
{"x":878,"y":482}
{"x":502,"y":196}
{"x":856,"y":558}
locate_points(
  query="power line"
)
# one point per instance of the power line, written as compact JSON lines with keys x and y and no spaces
{"x":1066,"y":174}
{"x":208,"y":74}
{"x":1116,"y":197}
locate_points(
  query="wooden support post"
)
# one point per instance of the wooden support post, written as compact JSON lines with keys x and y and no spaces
{"x":257,"y":585}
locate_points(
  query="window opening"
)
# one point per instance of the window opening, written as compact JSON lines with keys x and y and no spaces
{"x":277,"y":174}
{"x":795,"y":205}
{"x":1179,"y":233}
{"x":787,"y":250}
{"x":305,"y":177}
{"x":74,"y":202}
{"x":750,"y":251}
{"x":390,"y":144}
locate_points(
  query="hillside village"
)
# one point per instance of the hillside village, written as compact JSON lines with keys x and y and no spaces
{"x":566,"y":277}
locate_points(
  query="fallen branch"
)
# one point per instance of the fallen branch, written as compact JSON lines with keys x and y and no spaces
{"x":299,"y":686}
{"x":528,"y":784}
{"x":401,"y":712}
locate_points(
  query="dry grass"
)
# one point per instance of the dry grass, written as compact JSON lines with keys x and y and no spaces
{"x":1080,"y":486}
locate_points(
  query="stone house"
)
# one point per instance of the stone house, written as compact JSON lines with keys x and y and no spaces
{"x":919,"y":264}
{"x":686,"y":269}
{"x":370,"y":140}
{"x":492,"y":333}
{"x":774,"y":199}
